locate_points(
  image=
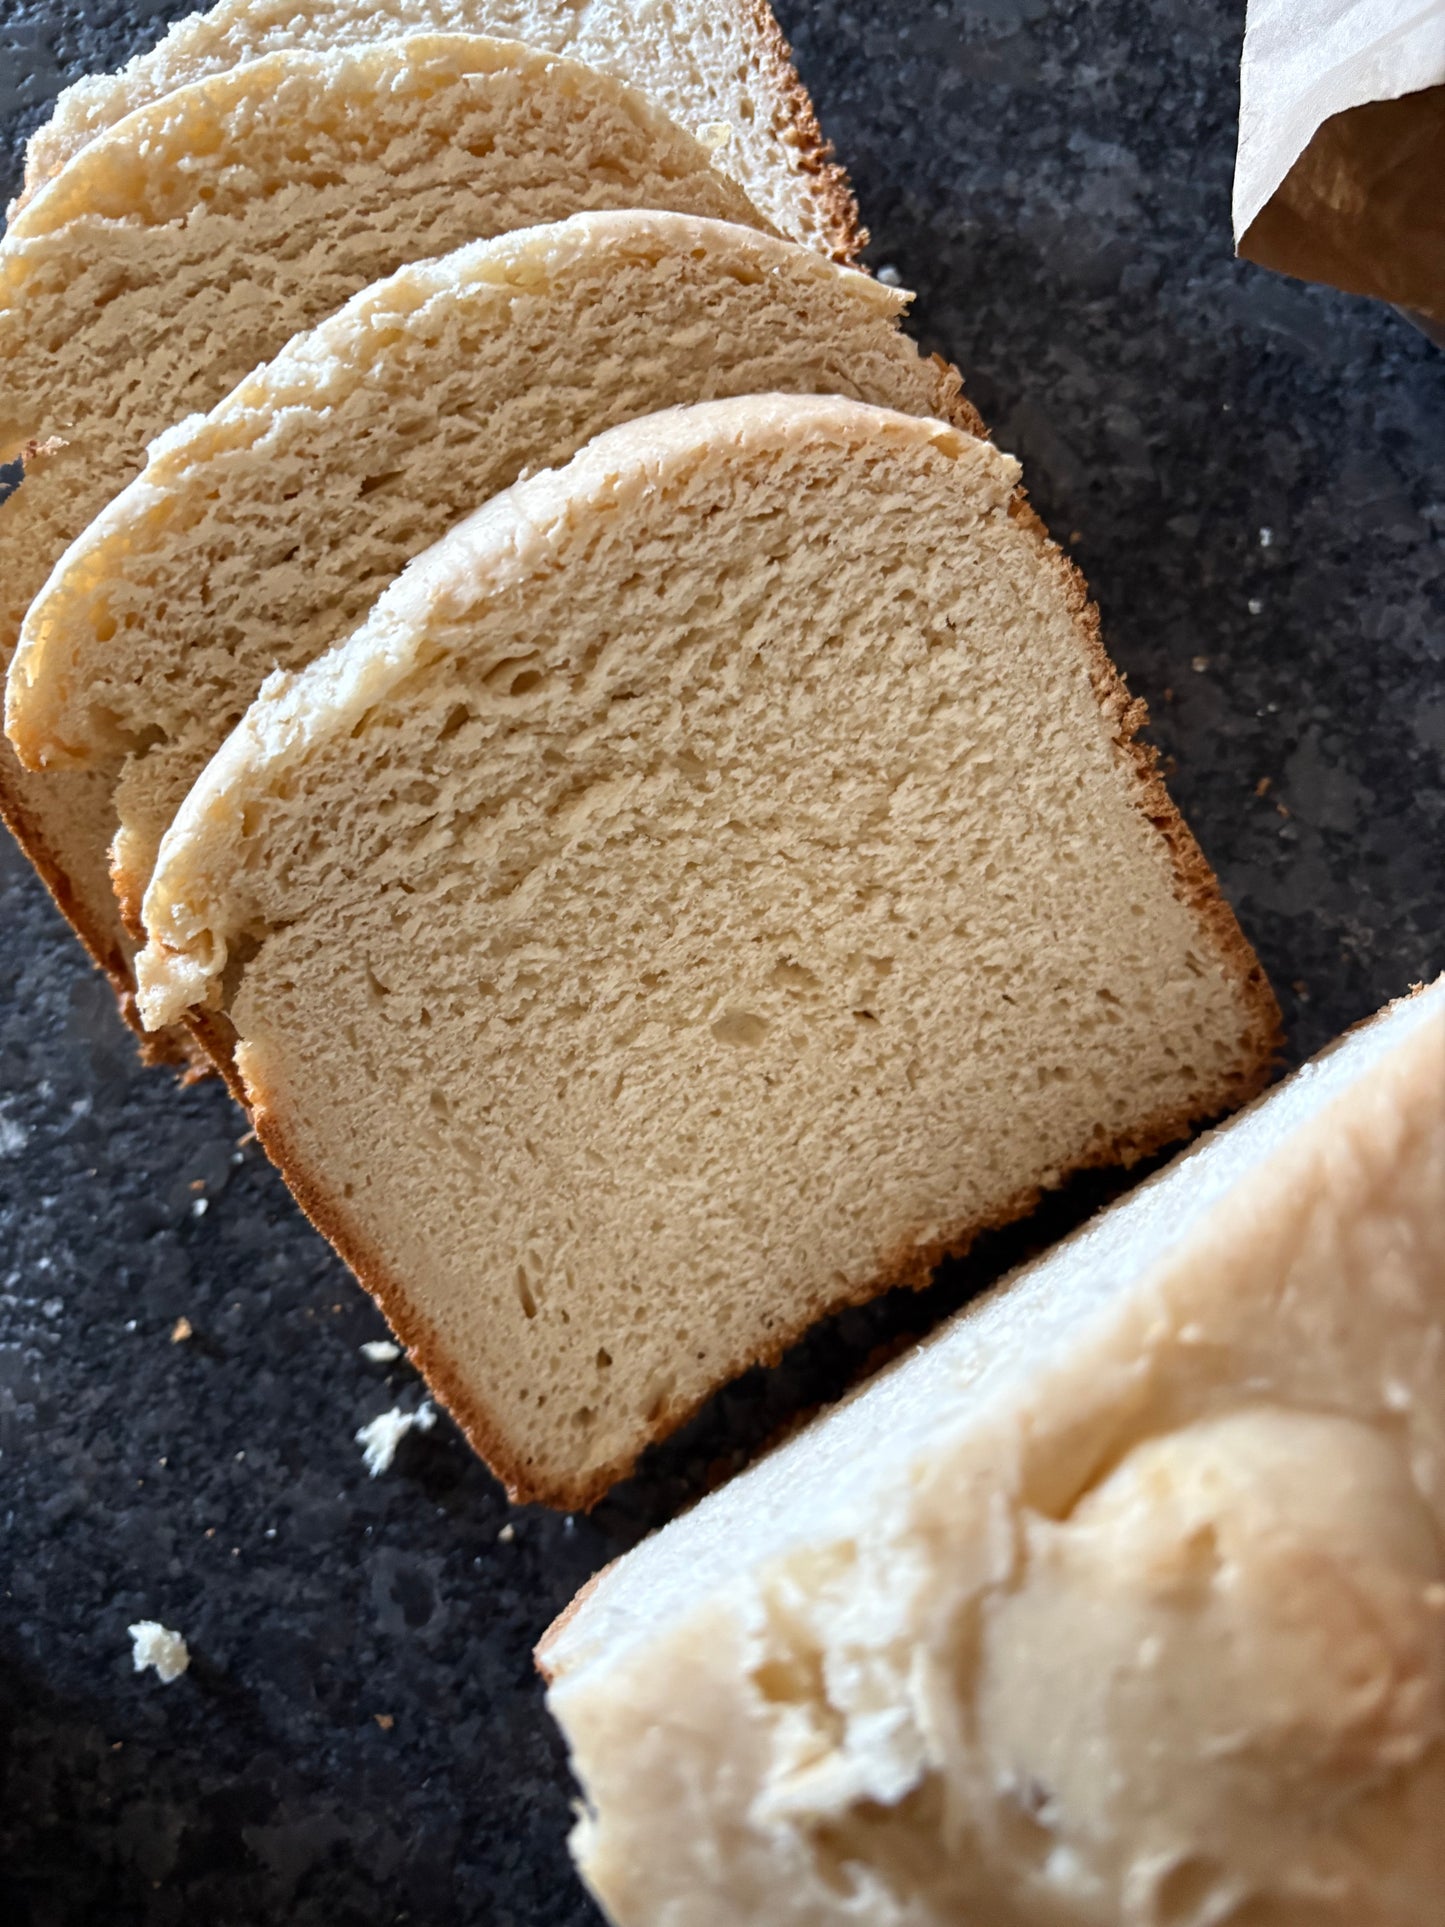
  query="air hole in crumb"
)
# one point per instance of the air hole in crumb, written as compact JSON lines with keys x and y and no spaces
{"x":655,"y":1399}
{"x":604,"y":1359}
{"x":514,"y":675}
{"x":374,"y":484}
{"x":525,"y":1297}
{"x":741,"y":1027}
{"x":866,"y":1016}
{"x":458,"y":716}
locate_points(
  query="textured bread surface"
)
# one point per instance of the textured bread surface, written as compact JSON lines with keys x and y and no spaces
{"x":264,"y":531}
{"x":710,"y":884}
{"x":723,"y":72}
{"x":196,"y":237}
{"x":1119,"y":1603}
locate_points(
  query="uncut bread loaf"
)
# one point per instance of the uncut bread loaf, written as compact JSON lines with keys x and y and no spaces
{"x":1121,"y":1602}
{"x":195,"y":238}
{"x":262,"y":532}
{"x":713,"y":882}
{"x":722,"y":72}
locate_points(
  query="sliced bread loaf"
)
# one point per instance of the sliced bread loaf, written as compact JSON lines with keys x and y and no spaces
{"x":722,"y":72}
{"x":192,"y":240}
{"x":262,"y":532}
{"x":714,"y":881}
{"x":1121,"y":1601}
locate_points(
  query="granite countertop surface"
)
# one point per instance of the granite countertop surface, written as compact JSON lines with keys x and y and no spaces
{"x":1251,"y":473}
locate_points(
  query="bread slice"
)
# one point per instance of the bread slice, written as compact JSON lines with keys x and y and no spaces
{"x":262,"y":532}
{"x":713,"y":882}
{"x":191,"y":242}
{"x":1121,"y":1600}
{"x":724,"y":73}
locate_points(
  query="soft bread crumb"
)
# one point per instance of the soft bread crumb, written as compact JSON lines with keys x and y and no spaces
{"x":379,"y":1439}
{"x":157,"y":1646}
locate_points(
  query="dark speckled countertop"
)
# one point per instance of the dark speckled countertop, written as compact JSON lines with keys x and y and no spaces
{"x":1251,"y":473}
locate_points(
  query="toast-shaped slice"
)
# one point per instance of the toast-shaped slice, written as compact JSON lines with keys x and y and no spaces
{"x":714,"y":881}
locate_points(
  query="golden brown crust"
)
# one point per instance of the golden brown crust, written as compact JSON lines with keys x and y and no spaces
{"x":795,"y":123}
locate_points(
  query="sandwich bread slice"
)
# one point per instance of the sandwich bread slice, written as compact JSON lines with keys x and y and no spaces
{"x":717,"y":879}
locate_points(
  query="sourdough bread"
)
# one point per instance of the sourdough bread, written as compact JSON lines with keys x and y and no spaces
{"x":192,"y":240}
{"x":722,"y":72}
{"x":262,"y":532}
{"x":713,"y":882}
{"x":1120,"y":1602}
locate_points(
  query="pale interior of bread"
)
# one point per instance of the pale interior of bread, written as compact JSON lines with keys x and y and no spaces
{"x":190,"y":243}
{"x":1121,"y":1600}
{"x":707,"y":886}
{"x":260,"y":534}
{"x":720,"y":71}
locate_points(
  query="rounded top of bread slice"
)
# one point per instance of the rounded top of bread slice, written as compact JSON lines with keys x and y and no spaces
{"x":289,"y":119}
{"x":200,"y":900}
{"x":199,"y":903}
{"x":723,"y":72}
{"x":233,"y":174}
{"x":73,"y":686}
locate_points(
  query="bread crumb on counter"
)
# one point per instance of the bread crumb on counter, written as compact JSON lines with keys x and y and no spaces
{"x":379,"y":1439}
{"x":157,"y":1646}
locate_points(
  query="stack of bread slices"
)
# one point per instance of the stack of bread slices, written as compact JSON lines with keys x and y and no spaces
{"x":516,"y":660}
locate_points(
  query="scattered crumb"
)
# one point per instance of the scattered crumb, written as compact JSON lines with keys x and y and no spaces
{"x":890,"y":277}
{"x":379,"y":1439}
{"x":380,"y":1351}
{"x":1199,"y":664}
{"x":1283,"y":808}
{"x":1256,"y":607}
{"x":52,"y":445}
{"x":1301,"y":989}
{"x":507,"y":1534}
{"x":1076,"y":536}
{"x":242,"y":1142}
{"x":715,"y":135}
{"x":199,"y":1207}
{"x":1168,"y":695}
{"x":1266,"y":538}
{"x":182,"y":1330}
{"x":1263,"y":786}
{"x":155,"y":1645}
{"x":198,"y":1184}
{"x":386,"y":1721}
